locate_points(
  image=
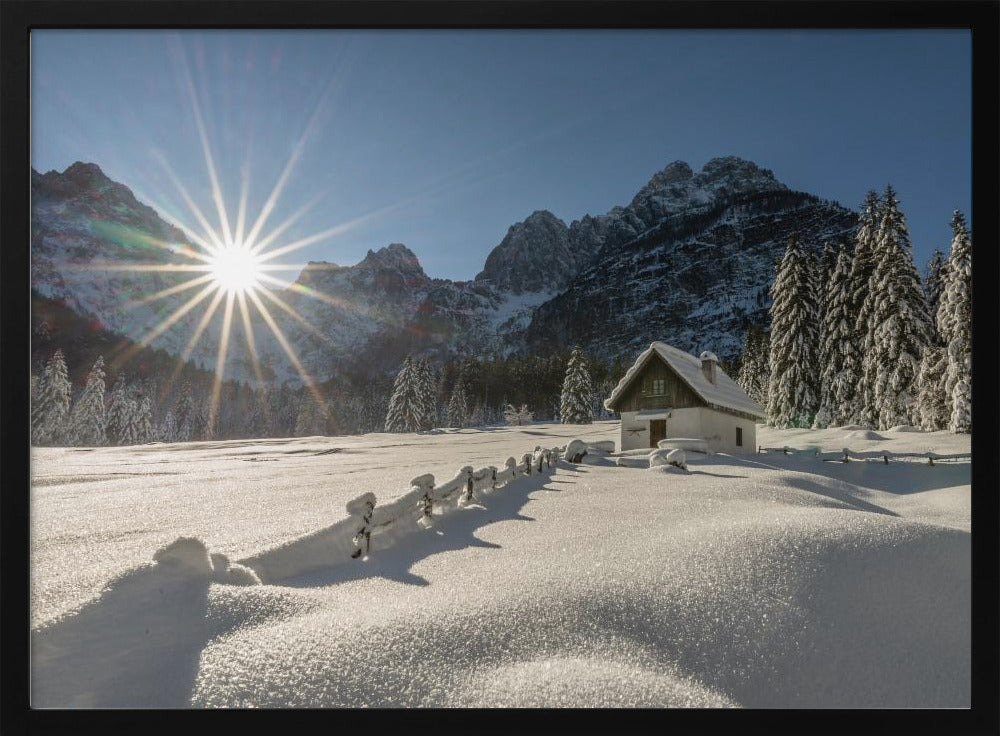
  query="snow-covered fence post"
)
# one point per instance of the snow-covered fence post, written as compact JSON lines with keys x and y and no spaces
{"x":527,"y":463}
{"x":469,"y":482}
{"x":426,"y":484}
{"x":512,"y":464}
{"x":361,"y":509}
{"x":846,"y":458}
{"x":493,"y":480}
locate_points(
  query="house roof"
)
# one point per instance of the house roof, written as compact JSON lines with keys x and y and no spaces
{"x":724,"y":394}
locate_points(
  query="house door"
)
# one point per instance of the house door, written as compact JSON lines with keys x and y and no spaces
{"x":657,"y":431}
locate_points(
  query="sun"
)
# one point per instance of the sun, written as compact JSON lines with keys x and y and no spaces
{"x":236,"y":269}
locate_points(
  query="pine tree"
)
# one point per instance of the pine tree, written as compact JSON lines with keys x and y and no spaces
{"x":574,"y":403}
{"x":862,"y":408}
{"x":119,"y":413}
{"x":931,"y":398}
{"x":837,"y":348}
{"x":753,"y":376}
{"x":426,"y":394}
{"x":89,"y":417}
{"x":458,"y":408}
{"x":406,"y":408}
{"x":954,"y":319}
{"x":937,"y":276}
{"x":793,"y":396}
{"x":143,"y":419}
{"x":309,"y":418}
{"x":899,"y":330}
{"x":185,"y":414}
{"x":168,"y":428}
{"x":50,"y":412}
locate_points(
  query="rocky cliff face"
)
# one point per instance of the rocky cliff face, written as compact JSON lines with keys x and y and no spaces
{"x":537,"y":255}
{"x":689,"y":261}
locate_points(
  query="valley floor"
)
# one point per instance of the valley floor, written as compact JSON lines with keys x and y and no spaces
{"x":762,"y":581}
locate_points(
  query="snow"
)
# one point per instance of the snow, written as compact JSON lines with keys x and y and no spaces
{"x":765,"y":581}
{"x":865,"y":435}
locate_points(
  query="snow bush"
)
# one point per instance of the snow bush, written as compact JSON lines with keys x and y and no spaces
{"x":517,"y":416}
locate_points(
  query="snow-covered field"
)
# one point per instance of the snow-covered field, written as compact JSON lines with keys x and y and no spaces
{"x":769,"y":581}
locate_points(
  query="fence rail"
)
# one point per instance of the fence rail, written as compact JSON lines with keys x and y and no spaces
{"x":847,"y":454}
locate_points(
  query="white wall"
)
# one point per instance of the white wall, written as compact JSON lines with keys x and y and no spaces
{"x":718,"y":428}
{"x":634,"y":440}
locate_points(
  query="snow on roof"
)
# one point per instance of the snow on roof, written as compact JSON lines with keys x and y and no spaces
{"x":724,"y":394}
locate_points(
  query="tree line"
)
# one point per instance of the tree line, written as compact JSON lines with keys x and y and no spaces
{"x":857,"y":338}
{"x":464,"y":392}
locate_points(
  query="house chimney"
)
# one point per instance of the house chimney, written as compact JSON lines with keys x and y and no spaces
{"x":708,"y":361}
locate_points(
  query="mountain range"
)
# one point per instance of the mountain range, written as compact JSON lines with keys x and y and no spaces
{"x":688,"y":261}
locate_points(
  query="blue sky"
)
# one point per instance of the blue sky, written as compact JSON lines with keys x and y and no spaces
{"x":441,"y":140}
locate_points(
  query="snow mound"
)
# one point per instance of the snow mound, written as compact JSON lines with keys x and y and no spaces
{"x":185,"y":553}
{"x":850,"y":427}
{"x":905,"y":428}
{"x":230,"y":573}
{"x":863,"y":434}
{"x":575,"y":451}
{"x":676,"y":458}
{"x":603,"y":446}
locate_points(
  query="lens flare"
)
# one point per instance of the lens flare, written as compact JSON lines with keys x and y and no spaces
{"x":235,"y":269}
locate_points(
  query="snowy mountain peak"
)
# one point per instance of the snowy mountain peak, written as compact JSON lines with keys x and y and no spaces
{"x":735,"y":169}
{"x":393,"y":256}
{"x":672,"y":173}
{"x":534,"y":256}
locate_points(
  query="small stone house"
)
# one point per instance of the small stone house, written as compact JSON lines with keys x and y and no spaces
{"x":669,"y":393}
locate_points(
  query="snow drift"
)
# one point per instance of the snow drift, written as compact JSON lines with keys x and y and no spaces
{"x":761,"y":582}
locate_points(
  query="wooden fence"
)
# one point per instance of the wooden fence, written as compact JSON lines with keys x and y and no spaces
{"x":847,"y":454}
{"x":371,"y":525}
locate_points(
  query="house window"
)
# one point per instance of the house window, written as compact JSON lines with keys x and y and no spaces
{"x":739,"y":436}
{"x":659,"y":386}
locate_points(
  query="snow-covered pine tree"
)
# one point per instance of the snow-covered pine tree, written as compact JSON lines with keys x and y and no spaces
{"x":931,"y":400}
{"x":427,"y":394}
{"x":185,"y":414}
{"x":793,"y":396}
{"x":899,"y":330}
{"x":954,"y":321}
{"x":119,"y":417}
{"x":405,"y":406}
{"x":862,"y":407}
{"x":837,"y":347}
{"x":167,"y":431}
{"x":937,"y":275}
{"x":755,"y":365}
{"x":308,"y":420}
{"x":50,"y":411}
{"x":574,"y":403}
{"x":477,"y":415}
{"x":458,"y":409}
{"x":144,"y":418}
{"x":88,"y":417}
